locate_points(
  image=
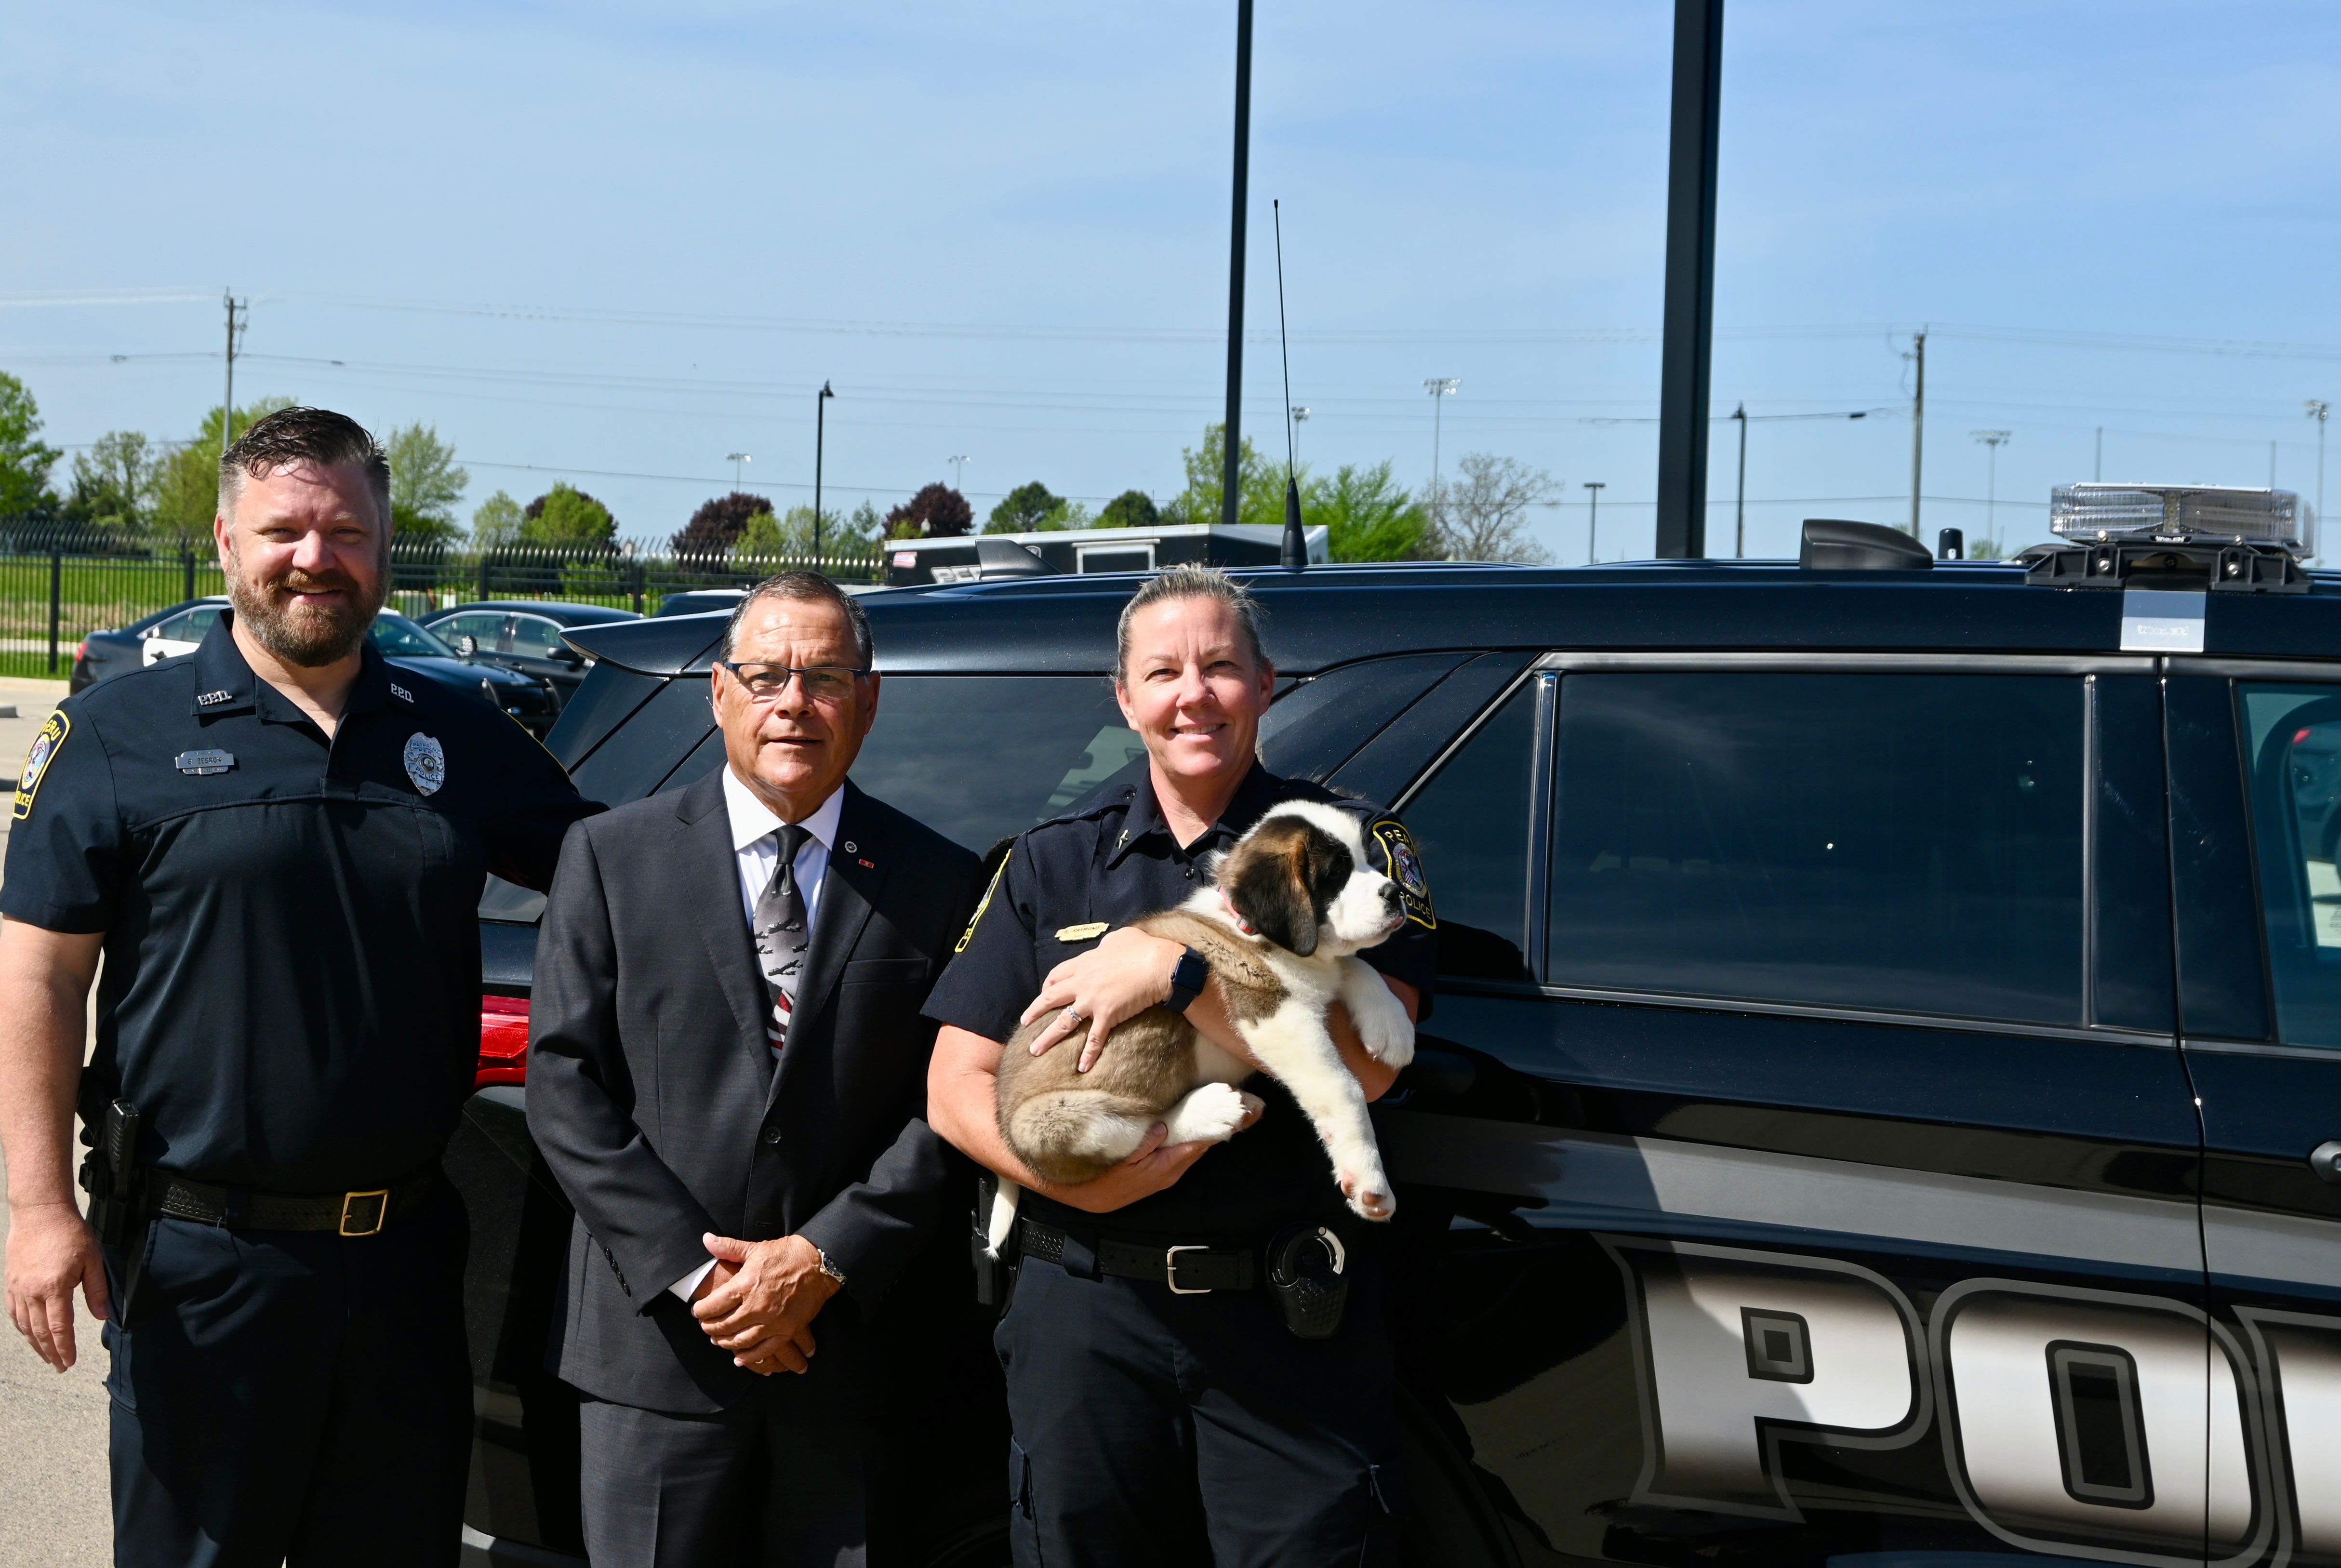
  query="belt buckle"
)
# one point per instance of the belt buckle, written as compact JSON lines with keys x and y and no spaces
{"x":381,"y":1212}
{"x":1170,"y":1270}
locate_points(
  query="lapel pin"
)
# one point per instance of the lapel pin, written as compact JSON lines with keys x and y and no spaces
{"x":866,"y":865}
{"x":849,"y":849}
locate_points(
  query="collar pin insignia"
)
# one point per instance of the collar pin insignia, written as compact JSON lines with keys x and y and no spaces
{"x":401,"y":693}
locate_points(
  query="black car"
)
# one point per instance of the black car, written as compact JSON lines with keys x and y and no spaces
{"x":168,"y":634}
{"x":1883,"y":1101}
{"x":527,"y":635}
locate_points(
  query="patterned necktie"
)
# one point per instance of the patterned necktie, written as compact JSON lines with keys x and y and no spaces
{"x":781,"y":934}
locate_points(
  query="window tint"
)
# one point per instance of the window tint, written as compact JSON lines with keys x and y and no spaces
{"x":979,"y":757}
{"x":191,"y":628}
{"x":395,"y":634}
{"x":483,"y":630}
{"x":1471,"y":824}
{"x":2294,"y":735}
{"x":1893,"y":842}
{"x":534,"y":636}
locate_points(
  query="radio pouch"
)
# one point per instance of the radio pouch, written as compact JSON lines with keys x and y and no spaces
{"x":1305,"y":1265}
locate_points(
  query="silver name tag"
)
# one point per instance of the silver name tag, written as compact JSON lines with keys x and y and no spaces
{"x":201,"y":762}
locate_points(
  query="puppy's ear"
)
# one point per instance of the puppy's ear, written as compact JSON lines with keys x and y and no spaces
{"x":1267,"y":883}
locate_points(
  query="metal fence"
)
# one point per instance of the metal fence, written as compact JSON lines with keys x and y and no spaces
{"x":61,"y":581}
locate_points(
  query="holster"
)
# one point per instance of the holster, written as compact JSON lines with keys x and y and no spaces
{"x":995,"y":1278}
{"x":1306,"y":1277}
{"x":109,"y":1174}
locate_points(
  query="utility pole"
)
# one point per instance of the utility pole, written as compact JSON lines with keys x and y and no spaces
{"x":1438,"y":386}
{"x":1917,"y":426}
{"x":735,"y":459}
{"x":1685,"y":350}
{"x":1231,"y":473}
{"x":2319,"y":410}
{"x":1993,"y":439}
{"x":1740,"y":511}
{"x":1593,"y":488}
{"x":2097,"y":469}
{"x":819,"y":439}
{"x":958,"y":470}
{"x":239,"y":316}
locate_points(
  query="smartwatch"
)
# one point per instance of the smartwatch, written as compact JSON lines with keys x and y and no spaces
{"x":1188,"y":980}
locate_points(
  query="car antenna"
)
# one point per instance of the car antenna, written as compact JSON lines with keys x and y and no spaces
{"x":1296,"y":543}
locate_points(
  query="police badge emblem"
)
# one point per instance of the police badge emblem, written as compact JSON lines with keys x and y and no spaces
{"x":37,"y":760}
{"x":426,"y":763}
{"x":1406,"y":870}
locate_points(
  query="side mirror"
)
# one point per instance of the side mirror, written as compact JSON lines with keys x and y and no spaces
{"x":465,"y":645}
{"x":566,"y":655}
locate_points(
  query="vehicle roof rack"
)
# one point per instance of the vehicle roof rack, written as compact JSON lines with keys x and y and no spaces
{"x":1841,"y":544}
{"x":2183,"y":562}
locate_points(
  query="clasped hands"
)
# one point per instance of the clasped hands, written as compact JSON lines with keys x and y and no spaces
{"x":760,"y":1299}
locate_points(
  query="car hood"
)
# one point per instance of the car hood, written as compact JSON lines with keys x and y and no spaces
{"x":459,"y":672}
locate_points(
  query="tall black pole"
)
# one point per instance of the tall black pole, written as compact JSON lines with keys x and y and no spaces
{"x":1687,"y":356}
{"x":1230,"y":483}
{"x":819,"y":439}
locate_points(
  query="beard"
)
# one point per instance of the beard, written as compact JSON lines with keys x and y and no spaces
{"x":303,"y":634}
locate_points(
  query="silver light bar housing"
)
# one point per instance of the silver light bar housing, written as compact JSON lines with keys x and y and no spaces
{"x":2183,"y":514}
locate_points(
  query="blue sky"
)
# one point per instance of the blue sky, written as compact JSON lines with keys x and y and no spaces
{"x":614,"y":242}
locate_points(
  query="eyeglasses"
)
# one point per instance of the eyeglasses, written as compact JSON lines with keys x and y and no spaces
{"x":825,"y":683}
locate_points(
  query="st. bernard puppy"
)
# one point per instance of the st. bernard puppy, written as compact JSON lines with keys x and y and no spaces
{"x":1294,"y":901}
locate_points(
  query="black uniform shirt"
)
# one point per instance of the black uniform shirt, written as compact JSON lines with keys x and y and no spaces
{"x":1113,"y":861}
{"x":292,"y":979}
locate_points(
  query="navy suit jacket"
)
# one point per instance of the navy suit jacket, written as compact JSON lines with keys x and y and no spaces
{"x":654,"y":1095}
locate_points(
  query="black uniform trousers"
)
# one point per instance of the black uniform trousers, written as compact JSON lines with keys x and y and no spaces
{"x":293,"y":1397}
{"x":1176,"y":1429}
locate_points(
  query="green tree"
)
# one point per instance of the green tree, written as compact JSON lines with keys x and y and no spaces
{"x":789,"y":534}
{"x":1131,"y":509}
{"x":425,"y":483}
{"x":1259,"y":485}
{"x":1023,"y":509}
{"x":114,"y":482}
{"x":24,"y":459}
{"x":186,"y":487}
{"x":498,"y":520}
{"x":566,"y":517}
{"x":1367,"y":515}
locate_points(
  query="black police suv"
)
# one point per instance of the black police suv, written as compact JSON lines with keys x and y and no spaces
{"x":526,"y":635}
{"x":1882,"y":1104}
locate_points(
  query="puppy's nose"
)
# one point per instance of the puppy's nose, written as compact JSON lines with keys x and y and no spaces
{"x":1390,"y":897}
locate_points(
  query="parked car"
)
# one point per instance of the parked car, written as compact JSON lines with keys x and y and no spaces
{"x":1883,"y":1098}
{"x":524,"y":634}
{"x":181,"y":628}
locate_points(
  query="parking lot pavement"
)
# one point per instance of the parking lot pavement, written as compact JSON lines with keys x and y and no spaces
{"x":54,"y":1507}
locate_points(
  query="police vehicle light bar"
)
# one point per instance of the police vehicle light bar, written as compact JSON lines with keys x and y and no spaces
{"x":2183,"y":514}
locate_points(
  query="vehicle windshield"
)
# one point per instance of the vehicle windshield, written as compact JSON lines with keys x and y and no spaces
{"x":394,"y":633}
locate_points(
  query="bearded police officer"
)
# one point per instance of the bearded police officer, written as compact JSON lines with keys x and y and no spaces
{"x":278,"y":844}
{"x":1178,"y":1389}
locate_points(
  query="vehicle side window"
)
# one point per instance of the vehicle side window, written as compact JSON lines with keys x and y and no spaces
{"x":534,"y":636}
{"x":483,"y":630}
{"x":2294,"y":738}
{"x":1908,"y":843}
{"x":1471,"y":824}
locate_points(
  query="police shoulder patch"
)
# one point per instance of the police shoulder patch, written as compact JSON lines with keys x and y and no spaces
{"x":1405,"y":869}
{"x":976,"y":918}
{"x":37,"y":760}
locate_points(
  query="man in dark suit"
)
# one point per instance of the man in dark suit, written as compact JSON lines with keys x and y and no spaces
{"x":728,"y":1079}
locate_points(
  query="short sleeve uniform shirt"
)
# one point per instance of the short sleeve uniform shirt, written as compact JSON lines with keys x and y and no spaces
{"x":1102,"y":865}
{"x":291,"y":986}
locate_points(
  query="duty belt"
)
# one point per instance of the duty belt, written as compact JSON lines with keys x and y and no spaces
{"x":1189,"y":1269}
{"x":357,"y":1213}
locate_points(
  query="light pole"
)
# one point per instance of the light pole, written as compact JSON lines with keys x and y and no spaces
{"x":2319,"y":410}
{"x":820,"y":438}
{"x":1593,"y":488}
{"x":1739,"y":507}
{"x":1994,"y":440}
{"x":735,"y":459}
{"x":958,"y":470}
{"x":1300,"y":417}
{"x":1438,"y":386}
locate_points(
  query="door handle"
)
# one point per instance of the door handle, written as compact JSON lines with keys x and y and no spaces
{"x":2326,"y":1159}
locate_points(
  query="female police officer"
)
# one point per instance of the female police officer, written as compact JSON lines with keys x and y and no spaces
{"x":1164,"y":1412}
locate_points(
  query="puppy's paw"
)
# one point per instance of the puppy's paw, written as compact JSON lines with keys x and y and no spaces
{"x":1388,"y":1035}
{"x":1211,"y":1114}
{"x":1368,"y":1191}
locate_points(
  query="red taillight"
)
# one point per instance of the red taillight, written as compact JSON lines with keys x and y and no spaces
{"x":503,"y":1040}
{"x":81,"y":650}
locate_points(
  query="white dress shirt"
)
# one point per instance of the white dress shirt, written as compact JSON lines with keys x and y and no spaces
{"x":756,"y":850}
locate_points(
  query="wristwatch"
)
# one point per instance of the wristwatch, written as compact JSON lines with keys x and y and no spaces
{"x":831,"y":1269}
{"x":1188,"y":980}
